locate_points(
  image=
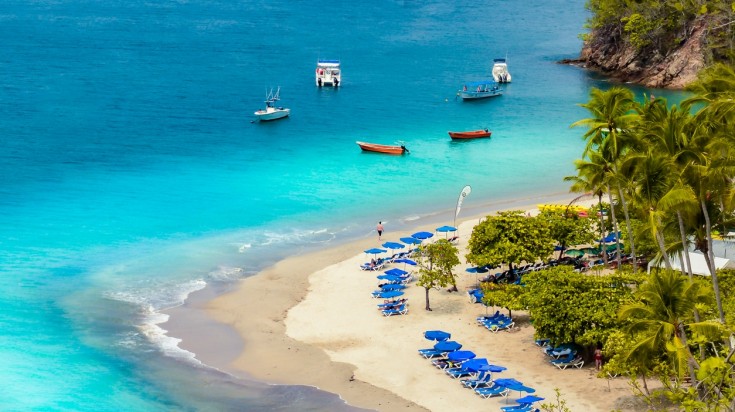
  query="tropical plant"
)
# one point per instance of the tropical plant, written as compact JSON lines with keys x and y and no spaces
{"x":510,"y":237}
{"x":436,"y":262}
{"x":568,"y":229}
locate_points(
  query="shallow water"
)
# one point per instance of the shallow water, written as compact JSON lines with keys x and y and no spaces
{"x":133,"y":174}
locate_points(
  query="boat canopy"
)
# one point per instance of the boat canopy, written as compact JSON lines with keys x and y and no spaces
{"x":499,"y":60}
{"x":328,"y":63}
{"x":481,"y":83}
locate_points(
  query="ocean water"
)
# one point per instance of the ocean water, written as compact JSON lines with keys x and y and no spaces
{"x":132,"y":173}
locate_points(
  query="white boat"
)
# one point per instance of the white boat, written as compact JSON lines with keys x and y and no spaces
{"x":328,"y":73}
{"x":271,"y":112}
{"x":500,"y":71}
{"x":480,"y":90}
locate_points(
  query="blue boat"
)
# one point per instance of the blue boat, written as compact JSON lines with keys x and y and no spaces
{"x":480,"y":90}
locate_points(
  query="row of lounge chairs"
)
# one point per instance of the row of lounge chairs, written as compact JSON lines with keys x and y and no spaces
{"x":380,"y":263}
{"x":562,"y":356}
{"x":473,"y":373}
{"x":394,"y":282}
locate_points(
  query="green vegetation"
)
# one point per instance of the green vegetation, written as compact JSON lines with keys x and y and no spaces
{"x":436,"y":262}
{"x":657,"y":27}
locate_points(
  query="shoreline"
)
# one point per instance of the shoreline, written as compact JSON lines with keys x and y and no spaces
{"x":262,"y":309}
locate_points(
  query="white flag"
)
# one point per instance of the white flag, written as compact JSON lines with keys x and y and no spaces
{"x":466,"y":191}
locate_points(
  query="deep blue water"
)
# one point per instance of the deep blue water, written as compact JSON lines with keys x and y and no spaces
{"x":132,"y":174}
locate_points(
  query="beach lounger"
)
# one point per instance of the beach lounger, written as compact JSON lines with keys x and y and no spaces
{"x":459,"y":372}
{"x":490,"y":391}
{"x":401,"y":310}
{"x":484,"y":379}
{"x":576,"y":362}
{"x":544,"y":342}
{"x":495,"y":327}
{"x":517,"y":408}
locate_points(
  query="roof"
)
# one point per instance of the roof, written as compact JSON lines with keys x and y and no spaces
{"x":480,"y":83}
{"x":699,"y":265}
{"x":499,"y":60}
{"x":328,"y":62}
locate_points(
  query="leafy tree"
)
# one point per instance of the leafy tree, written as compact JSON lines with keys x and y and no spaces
{"x":569,"y":229}
{"x":505,"y":295}
{"x":436,"y":263}
{"x":510,"y":237}
{"x":567,"y":306}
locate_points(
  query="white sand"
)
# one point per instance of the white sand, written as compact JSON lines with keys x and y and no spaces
{"x":310,"y":310}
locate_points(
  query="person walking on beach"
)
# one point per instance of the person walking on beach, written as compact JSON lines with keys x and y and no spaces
{"x":379,"y":228}
{"x":598,"y":358}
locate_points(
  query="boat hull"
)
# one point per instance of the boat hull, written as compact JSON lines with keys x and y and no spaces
{"x":268,"y":115}
{"x":475,"y":134}
{"x":479,"y":95}
{"x":381,"y":148}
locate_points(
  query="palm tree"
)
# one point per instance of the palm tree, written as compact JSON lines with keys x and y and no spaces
{"x":591,"y":175}
{"x":608,"y":134}
{"x":657,"y":320}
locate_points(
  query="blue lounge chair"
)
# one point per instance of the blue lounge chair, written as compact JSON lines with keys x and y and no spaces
{"x":482,"y":380}
{"x":490,"y":391}
{"x":517,"y":408}
{"x":570,"y":360}
{"x":440,"y":349}
{"x":503,"y":325}
{"x":400,"y":310}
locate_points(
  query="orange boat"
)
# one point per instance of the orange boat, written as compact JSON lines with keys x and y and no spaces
{"x":382,"y":148}
{"x":474,"y":134}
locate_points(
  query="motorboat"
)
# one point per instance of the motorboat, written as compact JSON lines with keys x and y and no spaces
{"x":271,"y":112}
{"x":500,"y":71}
{"x":480,"y":90}
{"x":473,"y":134}
{"x":382,"y":148}
{"x":328,"y":73}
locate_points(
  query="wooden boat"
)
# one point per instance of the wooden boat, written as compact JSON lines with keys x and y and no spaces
{"x":474,"y":134}
{"x":382,"y":148}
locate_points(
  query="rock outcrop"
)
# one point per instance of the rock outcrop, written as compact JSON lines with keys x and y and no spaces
{"x":607,"y":53}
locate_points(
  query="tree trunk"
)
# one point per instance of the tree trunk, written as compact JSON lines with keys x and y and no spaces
{"x":629,"y":230}
{"x":711,"y":256}
{"x":691,"y":362}
{"x":662,"y":247}
{"x":427,"y":299}
{"x":687,"y":260}
{"x":615,"y":227}
{"x":602,"y":228}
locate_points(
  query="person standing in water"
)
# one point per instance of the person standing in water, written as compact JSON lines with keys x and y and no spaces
{"x":379,"y":228}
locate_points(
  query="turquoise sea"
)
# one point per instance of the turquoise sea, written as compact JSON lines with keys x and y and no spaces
{"x":132,"y":174}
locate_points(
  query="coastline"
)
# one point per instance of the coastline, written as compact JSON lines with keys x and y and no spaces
{"x":309,"y":320}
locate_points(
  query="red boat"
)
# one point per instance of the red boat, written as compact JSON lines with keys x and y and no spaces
{"x":474,"y":134}
{"x":382,"y":148}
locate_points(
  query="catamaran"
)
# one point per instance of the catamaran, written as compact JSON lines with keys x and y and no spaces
{"x":328,"y":73}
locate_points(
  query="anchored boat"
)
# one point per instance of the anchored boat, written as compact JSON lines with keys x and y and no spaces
{"x":474,"y":134}
{"x":480,"y":90}
{"x":271,"y":112}
{"x":500,"y":71}
{"x":382,"y":148}
{"x":328,"y":73}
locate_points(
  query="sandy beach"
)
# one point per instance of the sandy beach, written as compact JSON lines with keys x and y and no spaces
{"x":311,"y":320}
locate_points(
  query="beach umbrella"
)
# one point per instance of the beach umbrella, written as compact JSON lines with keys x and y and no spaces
{"x":410,"y":240}
{"x":529,"y":399}
{"x":446,"y":230}
{"x":476,"y":270}
{"x":389,"y":294}
{"x":393,"y":245}
{"x":375,"y":251}
{"x":574,"y":253}
{"x":448,"y":345}
{"x":395,"y":272}
{"x":474,"y":365}
{"x":437,"y":335}
{"x":460,"y":355}
{"x":393,"y":286}
{"x":422,"y":235}
{"x":591,"y":250}
{"x":612,"y":237}
{"x":405,"y":262}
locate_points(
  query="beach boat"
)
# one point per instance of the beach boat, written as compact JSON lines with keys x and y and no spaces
{"x":382,"y":148}
{"x":474,"y":134}
{"x":271,"y":112}
{"x":328,"y":73}
{"x":500,"y":71}
{"x":480,"y":90}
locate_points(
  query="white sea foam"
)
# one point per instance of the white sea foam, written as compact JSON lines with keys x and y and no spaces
{"x":225,"y":274}
{"x":150,"y":301}
{"x":244,"y":247}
